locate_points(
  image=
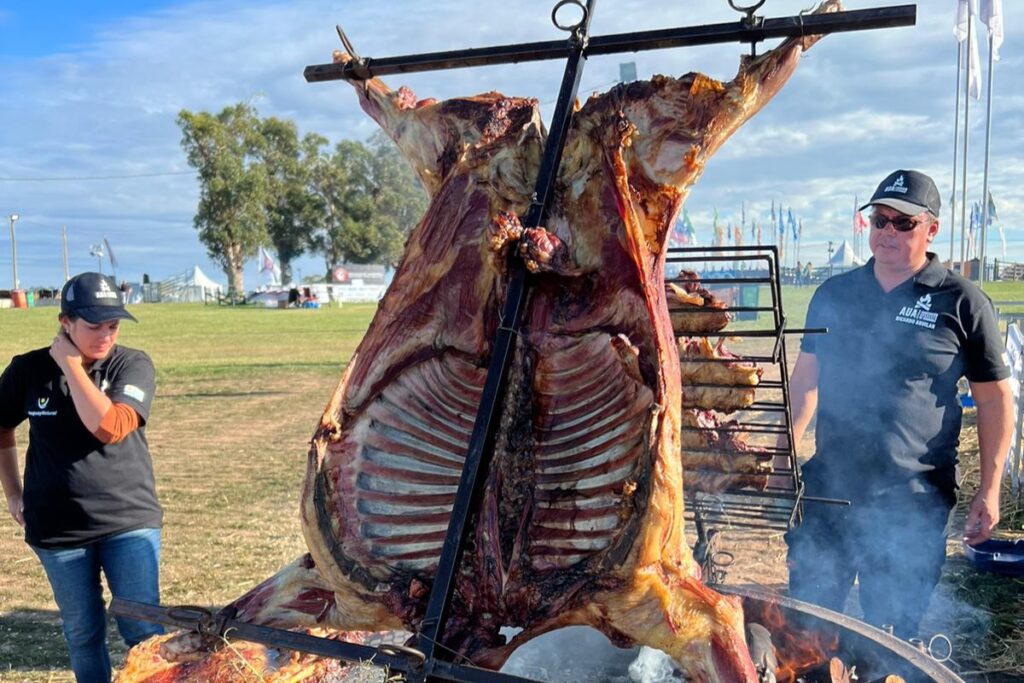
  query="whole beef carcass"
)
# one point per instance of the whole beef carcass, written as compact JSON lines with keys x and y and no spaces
{"x":581,"y":518}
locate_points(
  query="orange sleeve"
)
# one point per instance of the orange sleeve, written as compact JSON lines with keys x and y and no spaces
{"x":120,"y":421}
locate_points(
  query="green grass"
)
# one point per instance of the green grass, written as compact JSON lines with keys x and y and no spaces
{"x":240,"y":391}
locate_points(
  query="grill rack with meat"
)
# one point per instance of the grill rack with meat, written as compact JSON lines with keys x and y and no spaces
{"x":736,"y":476}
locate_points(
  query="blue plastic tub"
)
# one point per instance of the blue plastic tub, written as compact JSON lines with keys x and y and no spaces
{"x":1001,"y":557}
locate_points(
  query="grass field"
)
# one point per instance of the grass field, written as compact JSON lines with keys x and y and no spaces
{"x":239,"y":394}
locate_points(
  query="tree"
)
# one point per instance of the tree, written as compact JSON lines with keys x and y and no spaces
{"x":291,"y":208}
{"x":231,"y":216}
{"x":369,"y":200}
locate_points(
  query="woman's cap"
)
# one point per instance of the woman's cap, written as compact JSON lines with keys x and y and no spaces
{"x":93,"y":297}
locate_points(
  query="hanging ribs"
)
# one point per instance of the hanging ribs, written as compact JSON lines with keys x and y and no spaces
{"x":581,"y":517}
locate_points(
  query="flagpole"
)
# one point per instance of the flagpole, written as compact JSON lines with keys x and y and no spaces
{"x":967,"y":122}
{"x":956,"y":142}
{"x":988,"y":145}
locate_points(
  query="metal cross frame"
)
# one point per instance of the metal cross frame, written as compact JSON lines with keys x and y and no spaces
{"x":425,"y":662}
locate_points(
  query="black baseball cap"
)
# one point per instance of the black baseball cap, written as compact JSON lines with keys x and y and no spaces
{"x":909,"y":192}
{"x":93,"y":297}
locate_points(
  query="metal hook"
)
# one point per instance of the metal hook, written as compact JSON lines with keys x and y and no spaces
{"x":750,"y":21}
{"x":415,"y":658}
{"x":572,"y":28}
{"x":360,"y":65}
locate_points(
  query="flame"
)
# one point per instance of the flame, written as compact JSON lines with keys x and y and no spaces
{"x":798,"y":649}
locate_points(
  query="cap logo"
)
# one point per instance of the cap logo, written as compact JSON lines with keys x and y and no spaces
{"x":897,"y":186}
{"x":105,"y":291}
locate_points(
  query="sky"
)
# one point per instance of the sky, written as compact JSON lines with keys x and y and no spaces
{"x":89,"y":94}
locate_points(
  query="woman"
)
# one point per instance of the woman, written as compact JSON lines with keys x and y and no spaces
{"x":89,"y":499}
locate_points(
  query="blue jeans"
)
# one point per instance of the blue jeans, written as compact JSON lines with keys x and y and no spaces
{"x":130,"y":561}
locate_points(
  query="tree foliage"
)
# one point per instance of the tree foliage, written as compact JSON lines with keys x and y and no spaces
{"x":261,"y":184}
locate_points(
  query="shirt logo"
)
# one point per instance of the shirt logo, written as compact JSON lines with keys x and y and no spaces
{"x":132,"y":391}
{"x":920,"y":314}
{"x":42,"y":402}
{"x":897,"y":186}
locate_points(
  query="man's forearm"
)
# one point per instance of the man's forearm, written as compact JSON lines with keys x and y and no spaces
{"x":995,"y":430}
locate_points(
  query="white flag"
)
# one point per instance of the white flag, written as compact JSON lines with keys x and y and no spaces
{"x":965,"y":12}
{"x":992,"y":16}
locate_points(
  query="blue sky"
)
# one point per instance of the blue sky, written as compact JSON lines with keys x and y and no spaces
{"x":90,"y":90}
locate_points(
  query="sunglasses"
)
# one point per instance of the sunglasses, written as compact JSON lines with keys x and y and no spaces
{"x":899,"y":224}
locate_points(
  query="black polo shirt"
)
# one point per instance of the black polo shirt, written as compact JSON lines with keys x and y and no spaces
{"x":78,"y":489}
{"x":888,"y":412}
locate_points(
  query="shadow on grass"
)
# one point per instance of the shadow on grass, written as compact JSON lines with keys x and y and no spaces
{"x":32,"y":639}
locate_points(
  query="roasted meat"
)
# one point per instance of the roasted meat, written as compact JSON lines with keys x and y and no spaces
{"x":580,"y":521}
{"x":714,"y":378}
{"x":693,"y":309}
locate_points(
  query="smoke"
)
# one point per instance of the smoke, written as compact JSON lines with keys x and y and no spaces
{"x":580,"y":653}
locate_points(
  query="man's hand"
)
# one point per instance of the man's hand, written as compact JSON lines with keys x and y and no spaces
{"x":15,"y":505}
{"x":982,"y":517}
{"x":64,"y":351}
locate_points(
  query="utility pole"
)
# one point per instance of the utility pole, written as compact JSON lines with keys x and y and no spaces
{"x":64,"y":240}
{"x":14,"y":252}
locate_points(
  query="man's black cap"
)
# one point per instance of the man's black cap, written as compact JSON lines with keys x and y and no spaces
{"x":909,"y":192}
{"x":93,"y":297}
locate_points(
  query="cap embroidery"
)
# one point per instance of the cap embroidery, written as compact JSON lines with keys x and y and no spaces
{"x":105,"y":291}
{"x":897,"y":186}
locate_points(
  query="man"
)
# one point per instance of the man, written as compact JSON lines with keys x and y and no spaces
{"x":89,"y":501}
{"x":902,"y":330}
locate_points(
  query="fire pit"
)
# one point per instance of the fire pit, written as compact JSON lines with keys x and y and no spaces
{"x":807,"y":636}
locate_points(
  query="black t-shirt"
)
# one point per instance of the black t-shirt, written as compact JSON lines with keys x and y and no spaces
{"x":78,"y":489}
{"x":888,"y":412}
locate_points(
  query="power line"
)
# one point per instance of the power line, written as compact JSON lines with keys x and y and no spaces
{"x":96,"y":177}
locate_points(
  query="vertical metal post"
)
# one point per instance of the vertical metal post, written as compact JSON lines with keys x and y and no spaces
{"x":14,"y":253}
{"x":64,"y":241}
{"x":956,"y":143}
{"x":988,"y":144}
{"x":967,"y":130}
{"x":481,"y":441}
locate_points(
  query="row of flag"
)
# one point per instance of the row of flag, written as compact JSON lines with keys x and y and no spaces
{"x":685,"y":235}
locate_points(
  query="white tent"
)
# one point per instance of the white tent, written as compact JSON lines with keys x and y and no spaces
{"x":190,"y":285}
{"x":844,"y":257}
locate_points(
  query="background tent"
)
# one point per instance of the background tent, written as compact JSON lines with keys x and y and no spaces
{"x":192,"y":285}
{"x":845,"y":258}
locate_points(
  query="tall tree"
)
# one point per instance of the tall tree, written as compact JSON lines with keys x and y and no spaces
{"x":231,"y":217}
{"x":291,"y":208}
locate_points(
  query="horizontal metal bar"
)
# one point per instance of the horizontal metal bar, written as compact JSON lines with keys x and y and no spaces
{"x":731,"y":32}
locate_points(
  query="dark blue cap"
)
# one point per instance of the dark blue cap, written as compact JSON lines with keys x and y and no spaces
{"x":93,"y":297}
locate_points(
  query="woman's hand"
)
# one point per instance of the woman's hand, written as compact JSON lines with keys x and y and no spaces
{"x":16,"y":506}
{"x":64,"y":351}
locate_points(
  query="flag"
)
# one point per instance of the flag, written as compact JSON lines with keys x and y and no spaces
{"x":683,"y":233}
{"x":965,"y":11}
{"x":743,"y":214}
{"x":110,"y":253}
{"x":859,"y":223}
{"x":772,"y":214}
{"x":759,"y":234}
{"x":792,"y":224}
{"x":266,"y":262}
{"x":782,"y":222}
{"x":737,"y":235}
{"x":992,"y":215}
{"x":691,"y":234}
{"x":991,"y":15}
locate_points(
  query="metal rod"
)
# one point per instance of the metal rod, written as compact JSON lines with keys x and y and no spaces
{"x":985,"y":217}
{"x":481,"y":441}
{"x":967,"y":130}
{"x":786,"y":27}
{"x":956,"y":135}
